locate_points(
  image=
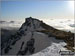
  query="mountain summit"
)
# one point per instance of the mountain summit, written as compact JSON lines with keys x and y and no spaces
{"x":31,"y":24}
{"x":34,"y":36}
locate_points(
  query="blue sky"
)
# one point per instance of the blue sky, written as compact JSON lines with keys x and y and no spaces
{"x":37,"y":9}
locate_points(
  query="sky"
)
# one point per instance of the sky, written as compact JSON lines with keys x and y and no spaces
{"x":37,"y":9}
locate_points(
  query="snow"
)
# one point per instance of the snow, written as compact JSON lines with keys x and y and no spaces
{"x":52,"y":50}
{"x":49,"y":51}
{"x":44,"y":45}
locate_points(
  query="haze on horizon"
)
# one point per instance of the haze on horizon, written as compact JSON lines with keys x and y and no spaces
{"x":38,"y":9}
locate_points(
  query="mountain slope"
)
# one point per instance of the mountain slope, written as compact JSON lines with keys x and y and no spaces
{"x":34,"y":28}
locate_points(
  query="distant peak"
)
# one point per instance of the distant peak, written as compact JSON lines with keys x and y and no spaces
{"x":29,"y":18}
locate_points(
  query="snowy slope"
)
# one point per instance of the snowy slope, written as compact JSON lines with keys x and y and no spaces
{"x":44,"y":45}
{"x":41,"y":42}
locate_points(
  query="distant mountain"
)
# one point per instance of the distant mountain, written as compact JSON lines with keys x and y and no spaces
{"x":35,"y":35}
{"x":2,"y":21}
{"x":7,"y":22}
{"x":11,"y":21}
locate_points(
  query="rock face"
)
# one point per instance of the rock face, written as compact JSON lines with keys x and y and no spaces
{"x":31,"y":24}
{"x":43,"y":36}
